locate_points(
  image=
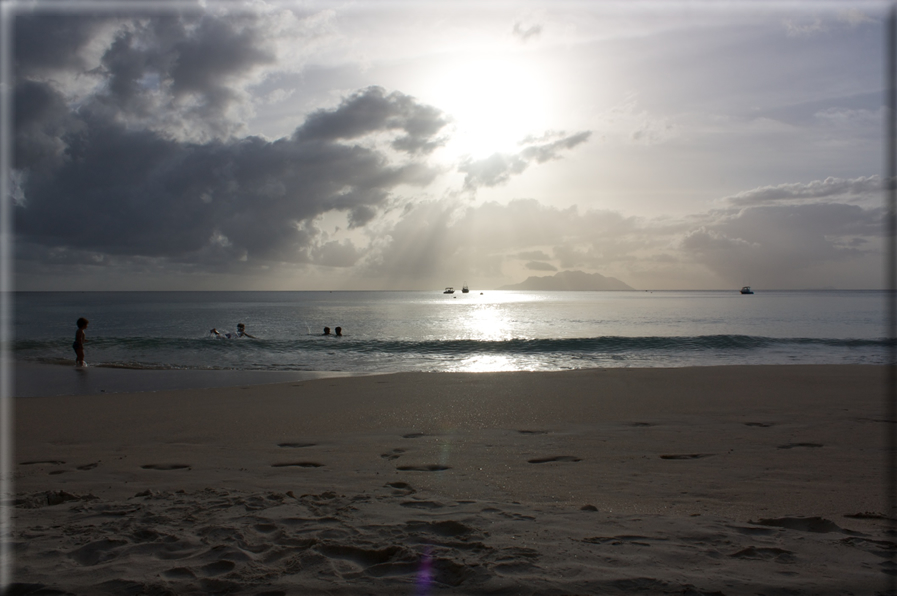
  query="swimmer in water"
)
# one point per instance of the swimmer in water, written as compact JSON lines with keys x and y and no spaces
{"x":241,"y":331}
{"x":339,"y":331}
{"x":326,"y":331}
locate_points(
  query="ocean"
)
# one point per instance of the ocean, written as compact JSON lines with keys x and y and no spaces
{"x":430,"y":331}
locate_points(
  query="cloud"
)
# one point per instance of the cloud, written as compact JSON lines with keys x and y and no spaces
{"x":805,"y":28}
{"x":48,"y":43}
{"x":92,"y":183}
{"x":188,"y":76}
{"x":373,"y":111}
{"x":868,"y":187}
{"x":439,"y":240}
{"x":337,"y":254}
{"x":633,"y":125}
{"x":540,"y":266}
{"x":775,"y":244}
{"x":525,"y":32}
{"x":535,"y":255}
{"x":499,"y":167}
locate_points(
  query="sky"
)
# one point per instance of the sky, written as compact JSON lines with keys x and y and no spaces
{"x":416,"y":145}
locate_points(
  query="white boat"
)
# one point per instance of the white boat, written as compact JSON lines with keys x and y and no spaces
{"x":747,"y":290}
{"x":465,"y":289}
{"x":449,"y":290}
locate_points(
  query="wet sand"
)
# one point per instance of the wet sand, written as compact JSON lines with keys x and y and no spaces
{"x":717,"y":480}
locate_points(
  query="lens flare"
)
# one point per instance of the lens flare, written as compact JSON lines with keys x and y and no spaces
{"x":425,"y":573}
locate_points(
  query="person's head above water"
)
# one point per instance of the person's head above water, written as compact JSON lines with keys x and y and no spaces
{"x":339,"y":330}
{"x":326,"y":330}
{"x":82,"y":323}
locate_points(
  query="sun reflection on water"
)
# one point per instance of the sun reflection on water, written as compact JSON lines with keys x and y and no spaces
{"x":487,"y":322}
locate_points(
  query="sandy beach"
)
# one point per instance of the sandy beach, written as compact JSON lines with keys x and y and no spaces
{"x":716,"y":480}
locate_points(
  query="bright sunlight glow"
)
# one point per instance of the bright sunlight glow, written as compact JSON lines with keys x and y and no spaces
{"x":495,"y":101}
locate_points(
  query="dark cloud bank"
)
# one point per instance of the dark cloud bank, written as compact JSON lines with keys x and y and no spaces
{"x":96,"y":177}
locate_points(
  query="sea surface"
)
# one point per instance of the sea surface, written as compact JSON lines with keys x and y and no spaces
{"x":431,"y":331}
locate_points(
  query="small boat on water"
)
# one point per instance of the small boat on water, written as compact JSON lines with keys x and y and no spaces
{"x":449,"y":290}
{"x":465,"y":289}
{"x":747,"y":290}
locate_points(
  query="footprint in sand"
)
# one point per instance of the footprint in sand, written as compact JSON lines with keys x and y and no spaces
{"x":545,"y":460}
{"x":298,"y":464}
{"x":425,"y":468}
{"x":394,"y":454}
{"x":217,"y":568}
{"x":687,"y":455}
{"x":179,"y":573}
{"x":448,"y":528}
{"x":793,"y":445}
{"x":401,"y":489}
{"x":779,"y":555}
{"x":166,"y":467}
{"x":818,"y":525}
{"x":422,"y":504}
{"x":48,"y":462}
{"x":620,"y":540}
{"x":88,"y":466}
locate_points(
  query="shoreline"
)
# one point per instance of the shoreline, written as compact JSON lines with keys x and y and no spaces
{"x":41,"y":380}
{"x":734,"y":480}
{"x":33,"y":379}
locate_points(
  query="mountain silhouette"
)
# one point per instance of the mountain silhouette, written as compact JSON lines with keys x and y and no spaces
{"x":570,"y":280}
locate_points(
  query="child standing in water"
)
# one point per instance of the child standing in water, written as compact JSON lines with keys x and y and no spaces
{"x":80,"y":339}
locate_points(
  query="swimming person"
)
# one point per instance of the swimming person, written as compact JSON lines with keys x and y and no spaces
{"x":339,"y":331}
{"x":326,"y":331}
{"x":80,"y":340}
{"x":241,"y":331}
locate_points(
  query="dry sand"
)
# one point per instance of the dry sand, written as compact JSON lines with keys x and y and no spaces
{"x":720,"y":480}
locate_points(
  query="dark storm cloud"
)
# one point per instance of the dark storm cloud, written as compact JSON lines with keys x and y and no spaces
{"x":45,"y":43}
{"x":373,"y":110}
{"x":136,"y":192}
{"x":189,"y":64}
{"x":181,"y":75}
{"x":499,"y":167}
{"x":42,"y":120}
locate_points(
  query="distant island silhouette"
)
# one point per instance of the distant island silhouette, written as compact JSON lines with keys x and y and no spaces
{"x":570,"y":280}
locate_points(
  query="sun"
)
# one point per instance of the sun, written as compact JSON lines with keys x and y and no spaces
{"x":495,"y":102}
